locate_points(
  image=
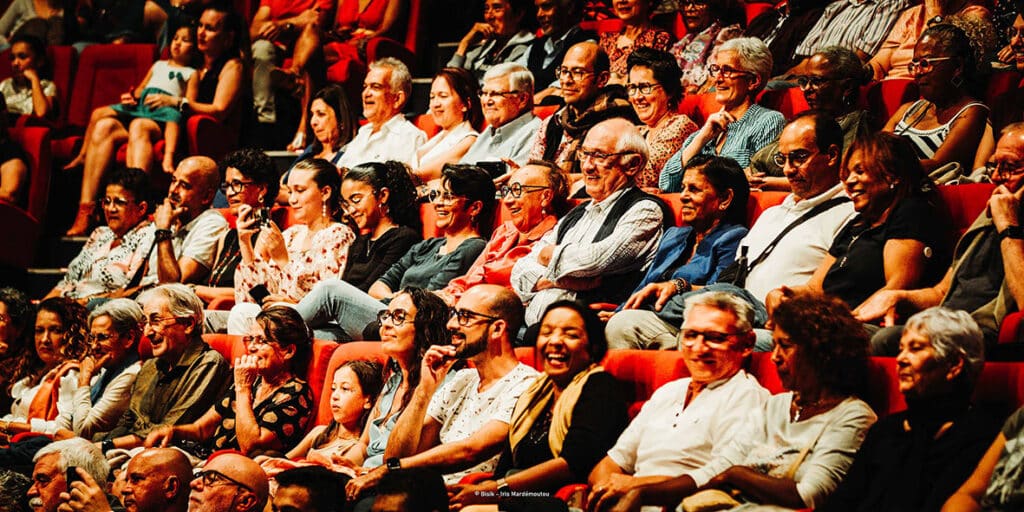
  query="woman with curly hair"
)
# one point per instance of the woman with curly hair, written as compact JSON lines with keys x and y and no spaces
{"x":797,"y":448}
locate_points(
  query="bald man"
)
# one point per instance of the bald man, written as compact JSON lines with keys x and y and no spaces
{"x":157,"y":480}
{"x":229,"y":482}
{"x":187,"y":230}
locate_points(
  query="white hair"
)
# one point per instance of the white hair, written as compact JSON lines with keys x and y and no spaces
{"x":400,"y":79}
{"x":754,"y":56}
{"x":954,"y":335}
{"x":80,"y":453}
{"x":725,"y":301}
{"x":520,"y":79}
{"x":182,"y":302}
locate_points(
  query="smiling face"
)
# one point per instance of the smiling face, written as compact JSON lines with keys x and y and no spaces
{"x":828,"y":96}
{"x":362,"y":204}
{"x":348,"y":403}
{"x":47,"y":483}
{"x":733,"y":92}
{"x":105,"y":341}
{"x":500,"y":16}
{"x":701,"y":206}
{"x":632,"y":11}
{"x":580,"y":93}
{"x":1009,"y":156}
{"x":562,"y":345}
{"x":935,"y":83}
{"x":452,"y":212}
{"x":552,"y":17}
{"x":602,"y":177}
{"x":50,"y":337}
{"x":399,"y":341}
{"x":324,"y":122}
{"x":122,"y":209}
{"x":504,"y":106}
{"x":1017,"y":42}
{"x":472,"y":340}
{"x":249,"y":194}
{"x":919,"y":370}
{"x":446,"y":107}
{"x":380,"y":103}
{"x":651,"y":107}
{"x":869,"y":190}
{"x":305,"y":196}
{"x":168,"y":335}
{"x":709,"y":362}
{"x":527,"y":210}
{"x":272,"y":358}
{"x":696,"y":16}
{"x":817,"y":173}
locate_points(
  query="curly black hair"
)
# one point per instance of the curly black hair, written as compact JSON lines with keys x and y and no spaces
{"x":402,"y":208}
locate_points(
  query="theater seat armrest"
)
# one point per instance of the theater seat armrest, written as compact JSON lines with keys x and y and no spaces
{"x":574,"y":494}
{"x":1012,"y":328}
{"x":475,"y":478}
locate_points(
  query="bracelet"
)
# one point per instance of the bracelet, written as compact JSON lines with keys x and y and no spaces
{"x":162,"y":235}
{"x":682,"y":286}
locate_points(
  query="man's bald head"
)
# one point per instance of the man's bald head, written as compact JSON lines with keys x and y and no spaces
{"x":587,"y":72}
{"x":1009,"y":157}
{"x":497,"y":301}
{"x":237,"y":484}
{"x":157,"y":480}
{"x":194,"y":185}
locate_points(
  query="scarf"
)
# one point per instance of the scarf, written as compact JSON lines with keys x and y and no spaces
{"x":611,"y":102}
{"x":44,"y":404}
{"x":536,"y":399}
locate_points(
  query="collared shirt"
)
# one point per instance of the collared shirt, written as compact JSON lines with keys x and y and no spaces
{"x":19,"y":99}
{"x":481,"y":57}
{"x":102,"y":268}
{"x":197,"y":240}
{"x":629,"y":248}
{"x":800,"y":252}
{"x":667,"y":438}
{"x":855,"y":24}
{"x":397,"y":139}
{"x":166,"y":394}
{"x":511,"y":140}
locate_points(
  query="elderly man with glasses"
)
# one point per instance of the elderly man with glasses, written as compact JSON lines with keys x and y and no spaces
{"x":507,"y":101}
{"x":229,"y":482}
{"x":459,"y":423}
{"x":985,"y":278}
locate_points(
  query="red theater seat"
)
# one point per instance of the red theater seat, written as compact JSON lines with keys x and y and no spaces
{"x":367,"y":350}
{"x":884,"y":97}
{"x":23,"y":226}
{"x":964,"y":203}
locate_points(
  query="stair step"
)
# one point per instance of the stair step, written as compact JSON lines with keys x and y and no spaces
{"x":39,"y":281}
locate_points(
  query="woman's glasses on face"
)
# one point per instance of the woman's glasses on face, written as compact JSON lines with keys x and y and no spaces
{"x":806,"y":82}
{"x":644,"y":88}
{"x":436,"y":196}
{"x":727,"y":72}
{"x":395,"y":317}
{"x":116,"y":202}
{"x":924,"y":65}
{"x":235,"y":186}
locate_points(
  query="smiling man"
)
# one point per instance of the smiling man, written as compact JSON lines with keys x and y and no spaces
{"x":507,"y":101}
{"x":184,"y":377}
{"x":229,"y":482}
{"x":559,"y":30}
{"x":688,"y":421}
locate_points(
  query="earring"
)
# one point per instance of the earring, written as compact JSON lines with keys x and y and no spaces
{"x":892,"y":186}
{"x":957,"y":81}
{"x":261,"y":198}
{"x":323,"y":210}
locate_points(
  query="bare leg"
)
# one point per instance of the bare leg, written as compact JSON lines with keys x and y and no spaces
{"x":171,"y":131}
{"x":141,"y":134}
{"x":305,"y":45}
{"x":106,"y":136}
{"x":97,"y":114}
{"x":299,"y":141}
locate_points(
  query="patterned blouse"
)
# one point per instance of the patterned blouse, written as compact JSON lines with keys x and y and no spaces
{"x":652,"y":37}
{"x":694,"y":51}
{"x":101,"y":268}
{"x":286,"y":413}
{"x":325,"y":258}
{"x":662,"y":142}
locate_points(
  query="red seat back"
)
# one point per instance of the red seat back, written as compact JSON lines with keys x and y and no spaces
{"x":367,"y":350}
{"x":105,"y":72}
{"x":426,"y":123}
{"x":760,"y":201}
{"x":789,"y":102}
{"x":884,"y":97}
{"x":35,"y":140}
{"x":964,"y":203}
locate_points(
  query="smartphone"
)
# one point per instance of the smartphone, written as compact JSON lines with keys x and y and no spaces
{"x":259,"y":292}
{"x":72,"y":476}
{"x":494,"y":169}
{"x":262,"y":216}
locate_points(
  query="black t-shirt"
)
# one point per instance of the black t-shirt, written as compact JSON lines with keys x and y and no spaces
{"x":859,"y":269}
{"x":980,"y":275}
{"x":369,"y":259}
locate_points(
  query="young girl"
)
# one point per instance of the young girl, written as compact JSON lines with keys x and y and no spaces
{"x":167,"y":77}
{"x":336,"y":445}
{"x":26,"y":92}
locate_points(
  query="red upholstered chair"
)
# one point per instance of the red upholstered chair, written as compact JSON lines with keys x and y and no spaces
{"x":964,"y":203}
{"x":602,"y":26}
{"x":545,"y":111}
{"x":427,"y":217}
{"x":1012,"y":330}
{"x":699,"y":106}
{"x":761,"y":201}
{"x":426,"y":123}
{"x":643,"y":371}
{"x":405,"y":51}
{"x":229,"y":345}
{"x":62,"y":63}
{"x":884,"y":97}
{"x":23,"y":226}
{"x":316,"y":376}
{"x":754,"y":9}
{"x":674,"y":203}
{"x":369,"y":350}
{"x":789,"y":102}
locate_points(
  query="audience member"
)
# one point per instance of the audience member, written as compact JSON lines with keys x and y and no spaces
{"x":14,"y":177}
{"x":504,"y":36}
{"x":792,"y":451}
{"x":689,"y":421}
{"x":507,"y":99}
{"x":946,"y":125}
{"x":535,"y":196}
{"x":464,"y":210}
{"x":1010,"y":103}
{"x":112,"y":260}
{"x":229,"y":482}
{"x":387,"y":135}
{"x":455,"y":109}
{"x":49,"y":477}
{"x":184,"y":377}
{"x":915,"y":459}
{"x":44,"y":21}
{"x":560,"y":30}
{"x":713,"y":210}
{"x":187,"y":229}
{"x":411,"y":490}
{"x":332,"y":124}
{"x":637,"y":31}
{"x":17,"y":321}
{"x":858,"y":27}
{"x":742,"y":127}
{"x":268,"y":405}
{"x":708,"y":25}
{"x":568,"y":417}
{"x":831,"y":84}
{"x":597,"y":249}
{"x":782,"y":28}
{"x":458,"y":423}
{"x":29,"y":90}
{"x":308,"y":489}
{"x":996,"y":483}
{"x":984,"y":279}
{"x":157,"y":480}
{"x":282,"y":267}
{"x":654,"y":90}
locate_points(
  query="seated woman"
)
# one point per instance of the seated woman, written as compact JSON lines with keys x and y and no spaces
{"x":637,"y":31}
{"x":16,"y":317}
{"x":27,"y":91}
{"x":284,"y":267}
{"x":332,"y":124}
{"x":654,"y":90}
{"x":455,"y":108}
{"x":354,"y":388}
{"x":947,"y":124}
{"x":915,"y":459}
{"x":566,"y":420}
{"x":741,"y":69}
{"x":114,"y":254}
{"x":795,"y":450}
{"x":13,"y":164}
{"x":504,"y":36}
{"x":464,"y":210}
{"x":268,"y":406}
{"x":896,"y":240}
{"x":714,"y":210}
{"x":708,"y":25}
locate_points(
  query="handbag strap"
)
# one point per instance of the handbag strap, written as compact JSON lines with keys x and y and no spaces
{"x":791,"y":472}
{"x":813,"y":212}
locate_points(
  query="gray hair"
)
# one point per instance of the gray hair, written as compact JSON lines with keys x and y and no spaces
{"x":80,"y":453}
{"x":630,"y":141}
{"x":845,"y":64}
{"x":754,"y":56}
{"x":725,"y":301}
{"x":954,"y":335}
{"x":400,"y":79}
{"x":520,"y":79}
{"x":14,"y":491}
{"x":125,"y":315}
{"x":182,"y":302}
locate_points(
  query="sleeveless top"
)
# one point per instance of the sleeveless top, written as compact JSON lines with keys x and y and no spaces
{"x":370,"y":19}
{"x":208,"y":82}
{"x":927,"y":142}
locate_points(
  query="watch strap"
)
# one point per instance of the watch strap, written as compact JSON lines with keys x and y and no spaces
{"x":1015,"y":232}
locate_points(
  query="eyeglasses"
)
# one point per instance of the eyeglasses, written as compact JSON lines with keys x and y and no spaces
{"x":256,"y":340}
{"x":465,"y":316}
{"x":712,"y":339}
{"x":115,"y":202}
{"x":727,"y":72}
{"x":436,"y":196}
{"x":1004,"y":168}
{"x":517,"y":189}
{"x":806,"y":82}
{"x":484,"y":95}
{"x":395,"y":317}
{"x":235,"y":186}
{"x":796,"y":158}
{"x":184,"y":185}
{"x":154,"y":321}
{"x":576,"y":73}
{"x":93,"y":338}
{"x":1014,"y":33}
{"x":645,"y":88}
{"x":212,"y":477}
{"x":924,"y":65}
{"x":599,"y":156}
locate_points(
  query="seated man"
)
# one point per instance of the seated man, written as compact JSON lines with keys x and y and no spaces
{"x":688,"y":421}
{"x":985,"y":278}
{"x":560,"y":29}
{"x":507,"y":101}
{"x":49,"y":477}
{"x":229,"y":482}
{"x":860,"y":26}
{"x":187,"y":230}
{"x":419,"y":489}
{"x":182,"y":380}
{"x":460,"y":427}
{"x":597,"y":250}
{"x":387,"y":135}
{"x":309,"y":489}
{"x":156,"y":480}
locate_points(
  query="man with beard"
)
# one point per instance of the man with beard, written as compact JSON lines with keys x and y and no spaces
{"x":187,"y":230}
{"x":461,"y":426}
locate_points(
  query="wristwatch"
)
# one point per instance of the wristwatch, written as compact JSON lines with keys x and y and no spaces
{"x":1015,"y":232}
{"x":182,"y":103}
{"x":503,"y":487}
{"x":162,"y":235}
{"x":393,"y":464}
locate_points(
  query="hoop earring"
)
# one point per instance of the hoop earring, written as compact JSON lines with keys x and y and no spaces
{"x":261,"y":198}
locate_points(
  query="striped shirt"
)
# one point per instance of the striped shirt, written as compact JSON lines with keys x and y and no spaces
{"x":757,"y":128}
{"x":858,"y":25}
{"x":927,"y":142}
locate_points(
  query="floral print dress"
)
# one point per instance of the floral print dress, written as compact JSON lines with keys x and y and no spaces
{"x":325,"y":258}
